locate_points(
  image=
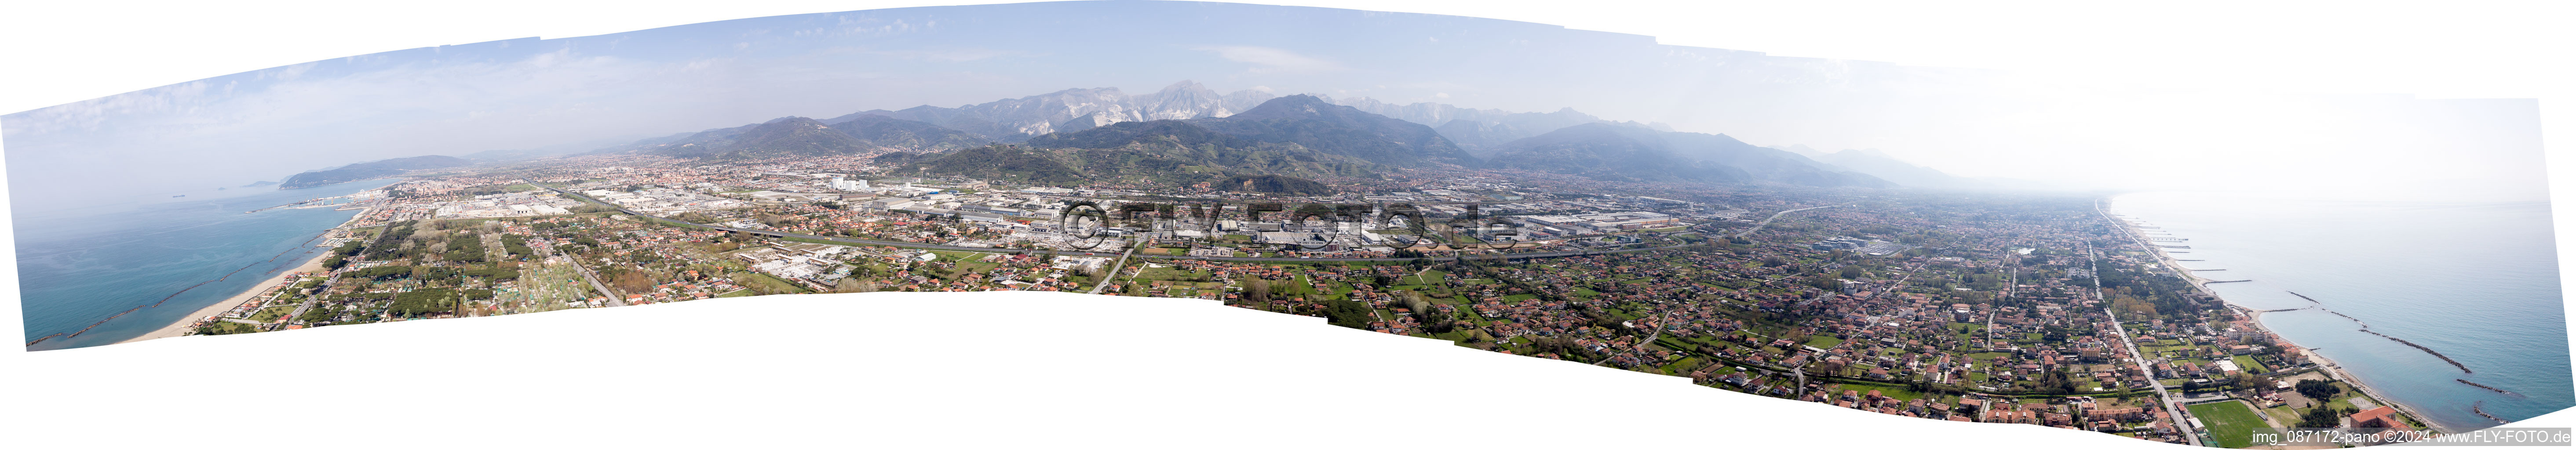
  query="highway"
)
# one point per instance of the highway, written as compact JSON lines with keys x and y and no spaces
{"x":1210,"y":258}
{"x":1112,"y":274}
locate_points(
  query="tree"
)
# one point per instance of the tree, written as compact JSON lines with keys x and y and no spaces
{"x":2057,"y":382}
{"x":379,"y":272}
{"x":348,"y":248}
{"x":317,"y":314}
{"x":1831,"y":367}
{"x":422,"y":302}
{"x":2247,"y":381}
{"x":2323,"y":417}
{"x":1257,"y":291}
{"x":1432,"y":318}
{"x":2317,"y":390}
{"x":633,"y":282}
{"x":1348,"y":313}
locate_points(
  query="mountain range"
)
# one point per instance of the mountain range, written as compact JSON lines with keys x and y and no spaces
{"x":1875,"y":163}
{"x":1186,"y":133}
{"x":1018,"y":119}
{"x":1297,"y":136}
{"x":1481,"y":130}
{"x":1618,"y":152}
{"x":799,"y":136}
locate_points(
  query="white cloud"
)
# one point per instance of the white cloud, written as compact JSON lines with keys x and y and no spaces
{"x":946,"y":54}
{"x":1271,"y":59}
{"x":288,"y":72}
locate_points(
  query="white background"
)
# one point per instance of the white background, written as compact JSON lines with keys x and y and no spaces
{"x":1063,"y":370}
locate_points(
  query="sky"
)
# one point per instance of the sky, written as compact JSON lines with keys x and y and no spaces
{"x":2074,"y":128}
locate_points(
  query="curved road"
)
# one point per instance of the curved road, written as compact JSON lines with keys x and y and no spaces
{"x":1775,"y":216}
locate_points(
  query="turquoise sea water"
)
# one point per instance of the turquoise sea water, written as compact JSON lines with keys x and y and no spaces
{"x":2475,"y":281}
{"x":78,"y":266}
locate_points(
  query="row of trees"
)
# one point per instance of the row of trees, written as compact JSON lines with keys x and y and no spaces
{"x":431,"y":273}
{"x":2324,"y":417}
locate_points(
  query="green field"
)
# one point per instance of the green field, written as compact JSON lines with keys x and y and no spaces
{"x":2249,"y":365}
{"x":2231,"y":422}
{"x":773,"y":283}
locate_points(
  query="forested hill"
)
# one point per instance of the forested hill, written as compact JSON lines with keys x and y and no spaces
{"x":1274,"y":184}
{"x":371,"y":170}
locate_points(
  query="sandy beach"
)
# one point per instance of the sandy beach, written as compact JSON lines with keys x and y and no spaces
{"x":311,"y":264}
{"x":2255,"y":317}
{"x":180,"y":327}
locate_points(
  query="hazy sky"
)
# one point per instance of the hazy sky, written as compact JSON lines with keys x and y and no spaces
{"x":454,"y":100}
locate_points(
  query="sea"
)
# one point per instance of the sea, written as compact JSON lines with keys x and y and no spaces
{"x":78,"y":266}
{"x":2476,"y":281}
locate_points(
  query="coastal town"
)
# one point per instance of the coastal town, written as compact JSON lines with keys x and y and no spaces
{"x":1999,"y":308}
{"x":1210,"y":224}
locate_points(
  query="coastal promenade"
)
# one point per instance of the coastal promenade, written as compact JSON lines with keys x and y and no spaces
{"x":2200,"y":285}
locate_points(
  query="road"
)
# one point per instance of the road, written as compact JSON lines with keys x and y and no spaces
{"x":919,"y":245}
{"x":1990,"y":329}
{"x":308,"y":304}
{"x":1113,"y":269}
{"x":1801,"y":372}
{"x":1774,"y":216}
{"x":2200,"y":286}
{"x":2014,"y":281}
{"x":594,"y":281}
{"x":1990,"y":314}
{"x":2135,"y":358}
{"x":1650,"y":338}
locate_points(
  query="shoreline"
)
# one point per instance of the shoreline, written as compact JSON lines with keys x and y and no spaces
{"x":2255,"y":317}
{"x":180,"y":327}
{"x":311,"y":264}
